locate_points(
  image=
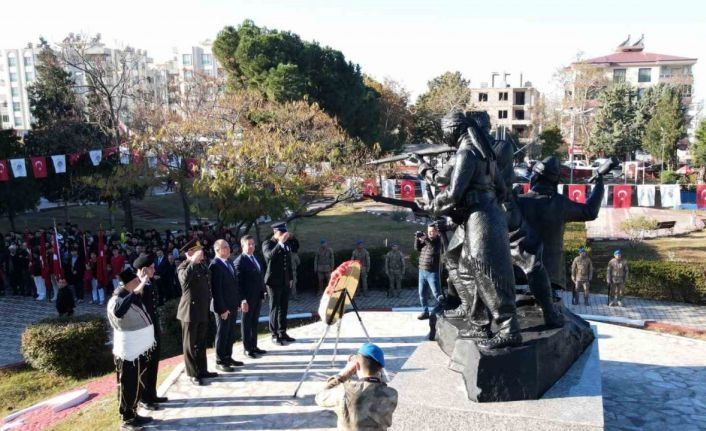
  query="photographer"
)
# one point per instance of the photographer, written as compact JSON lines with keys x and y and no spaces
{"x":429,"y":247}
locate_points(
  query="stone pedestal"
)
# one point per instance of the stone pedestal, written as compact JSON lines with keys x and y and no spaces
{"x":525,"y":372}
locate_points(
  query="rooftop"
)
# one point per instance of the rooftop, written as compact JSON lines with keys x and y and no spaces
{"x":628,"y":52}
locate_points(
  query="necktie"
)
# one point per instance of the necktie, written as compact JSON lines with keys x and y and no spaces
{"x":257,"y":265}
{"x":230,"y":267}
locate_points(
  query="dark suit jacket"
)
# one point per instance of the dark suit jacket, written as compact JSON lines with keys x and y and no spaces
{"x":79,"y":267}
{"x":195,"y":292}
{"x":279,"y":264}
{"x":225,"y":289}
{"x":250,"y":280}
{"x":163,"y":268}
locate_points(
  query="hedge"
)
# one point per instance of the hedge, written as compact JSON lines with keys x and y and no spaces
{"x":665,"y":280}
{"x":73,"y":346}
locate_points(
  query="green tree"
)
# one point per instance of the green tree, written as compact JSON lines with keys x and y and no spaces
{"x":447,"y":92}
{"x":551,"y":140}
{"x":613,"y":131}
{"x":284,"y":68}
{"x":396,"y":118}
{"x":666,"y":128}
{"x":18,"y":194}
{"x":698,"y":148}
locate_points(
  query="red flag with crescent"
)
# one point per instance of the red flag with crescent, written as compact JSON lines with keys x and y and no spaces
{"x":701,"y":196}
{"x":370,"y":187}
{"x":74,"y":158}
{"x":577,"y":193}
{"x":407,"y":190}
{"x":622,"y":195}
{"x":39,"y":167}
{"x":4,"y":172}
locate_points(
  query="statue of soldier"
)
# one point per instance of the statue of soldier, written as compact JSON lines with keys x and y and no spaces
{"x":547,"y":212}
{"x":323,"y":265}
{"x":616,"y":276}
{"x":473,"y":196}
{"x":394,"y":269}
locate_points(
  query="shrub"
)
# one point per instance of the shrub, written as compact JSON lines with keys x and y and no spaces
{"x":70,"y":346}
{"x":668,"y":177}
{"x":400,"y":215}
{"x":637,"y":227}
{"x":663,"y":280}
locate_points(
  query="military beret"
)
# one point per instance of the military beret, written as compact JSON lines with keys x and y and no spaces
{"x":127,"y":276}
{"x":372,"y":351}
{"x":143,"y":261}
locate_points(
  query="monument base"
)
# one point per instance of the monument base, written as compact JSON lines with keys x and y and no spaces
{"x":516,"y":373}
{"x":433,"y":397}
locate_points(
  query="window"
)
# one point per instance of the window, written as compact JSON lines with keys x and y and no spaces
{"x":18,"y":121}
{"x":28,"y":61}
{"x":29,"y":76}
{"x":519,"y":114}
{"x":5,"y":118}
{"x":502,"y":114}
{"x":502,"y":96}
{"x":644,"y":75}
{"x":206,"y":59}
{"x":482,"y":97}
{"x":188,"y":74}
{"x":11,"y":61}
{"x":686,"y":90}
{"x":13,"y":76}
{"x":15,"y":92}
{"x":186,"y":59}
{"x":16,"y":106}
{"x":519,"y":98}
{"x":618,"y":75}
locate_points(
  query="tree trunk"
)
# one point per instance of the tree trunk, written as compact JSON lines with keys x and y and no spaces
{"x":185,"y":205}
{"x":257,"y":235}
{"x":127,"y":209}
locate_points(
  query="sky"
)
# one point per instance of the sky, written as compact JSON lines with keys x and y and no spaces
{"x":410,"y":41}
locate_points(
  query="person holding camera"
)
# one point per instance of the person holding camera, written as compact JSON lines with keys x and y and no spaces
{"x":429,"y":247}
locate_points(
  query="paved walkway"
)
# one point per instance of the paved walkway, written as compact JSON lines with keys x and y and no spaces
{"x":607,"y":225}
{"x":18,"y":312}
{"x":650,"y":381}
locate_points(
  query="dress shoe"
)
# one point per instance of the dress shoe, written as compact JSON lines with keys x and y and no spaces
{"x":130,"y":425}
{"x":234,"y":363}
{"x":149,"y":406}
{"x":288,"y":338}
{"x":423,"y":316}
{"x":259,"y":351}
{"x":196,"y":381}
{"x":209,"y":375}
{"x":281,"y":341}
{"x":161,"y":399}
{"x":224,"y":368}
{"x":251,"y":354}
{"x":142,"y":420}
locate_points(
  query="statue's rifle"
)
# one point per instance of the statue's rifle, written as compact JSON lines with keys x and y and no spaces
{"x":432,"y":151}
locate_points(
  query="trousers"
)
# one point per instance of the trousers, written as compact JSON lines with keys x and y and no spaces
{"x":225,"y":337}
{"x":194,"y":346}
{"x":130,"y":385}
{"x":279,"y":305}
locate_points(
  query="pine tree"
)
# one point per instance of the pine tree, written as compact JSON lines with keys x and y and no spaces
{"x":698,"y":148}
{"x":666,"y":128}
{"x":613,"y":131}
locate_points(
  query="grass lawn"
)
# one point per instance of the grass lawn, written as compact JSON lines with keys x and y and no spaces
{"x":22,"y":387}
{"x":102,"y":414}
{"x":343,"y":224}
{"x":689,"y":248}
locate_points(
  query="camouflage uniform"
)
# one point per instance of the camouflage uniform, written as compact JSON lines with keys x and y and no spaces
{"x":616,"y":275}
{"x":295,"y":264}
{"x":394,"y":268}
{"x":362,"y":256}
{"x":366,"y":404}
{"x":323,"y":265}
{"x":581,"y":274}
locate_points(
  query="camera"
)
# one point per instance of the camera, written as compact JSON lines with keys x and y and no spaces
{"x":419,"y":234}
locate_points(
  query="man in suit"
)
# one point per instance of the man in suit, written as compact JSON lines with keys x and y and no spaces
{"x":250,"y":276}
{"x":161,"y":277}
{"x":194,"y":278}
{"x":74,"y":274}
{"x":224,"y":305}
{"x":277,"y":251}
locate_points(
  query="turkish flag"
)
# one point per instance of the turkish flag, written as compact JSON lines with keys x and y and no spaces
{"x":192,"y":167}
{"x":407,"y":190}
{"x":107,"y":152}
{"x":39,"y":167}
{"x":701,"y":196}
{"x":577,"y":193}
{"x":525,"y":188}
{"x":370,"y":187}
{"x":73,"y":158}
{"x":622,"y":195}
{"x":4,"y":171}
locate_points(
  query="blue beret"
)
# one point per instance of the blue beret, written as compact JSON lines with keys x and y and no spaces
{"x":616,"y":253}
{"x":359,"y":242}
{"x":373,"y":352}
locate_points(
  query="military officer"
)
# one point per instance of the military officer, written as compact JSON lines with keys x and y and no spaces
{"x":616,"y":276}
{"x":581,"y":275}
{"x":278,"y":277}
{"x":323,"y":265}
{"x":193,"y":311}
{"x":394,"y":268}
{"x":361,"y":255}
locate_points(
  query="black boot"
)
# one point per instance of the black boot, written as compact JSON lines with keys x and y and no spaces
{"x":585,"y":301}
{"x":432,"y":327}
{"x":575,"y":298}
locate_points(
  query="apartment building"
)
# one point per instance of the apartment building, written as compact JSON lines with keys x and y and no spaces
{"x":16,"y":73}
{"x":511,"y":108}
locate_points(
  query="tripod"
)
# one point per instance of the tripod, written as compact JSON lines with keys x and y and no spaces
{"x":339,"y":310}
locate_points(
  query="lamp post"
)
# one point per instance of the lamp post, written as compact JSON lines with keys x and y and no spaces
{"x":573,"y":114}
